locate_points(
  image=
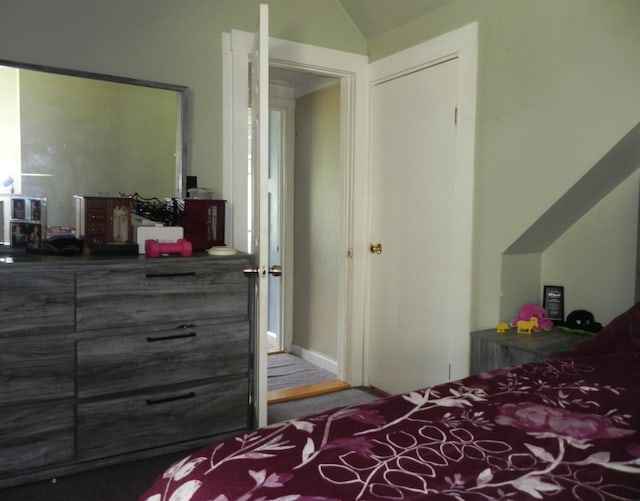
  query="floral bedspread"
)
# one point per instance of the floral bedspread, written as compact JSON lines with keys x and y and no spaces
{"x":563,"y":429}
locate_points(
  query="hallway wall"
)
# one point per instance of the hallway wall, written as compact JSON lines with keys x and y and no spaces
{"x":317,"y":221}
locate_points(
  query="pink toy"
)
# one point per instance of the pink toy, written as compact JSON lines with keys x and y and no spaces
{"x":530,"y":310}
{"x":153,"y":248}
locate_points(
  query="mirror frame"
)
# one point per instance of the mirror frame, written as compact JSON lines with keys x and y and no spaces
{"x":182,"y":160}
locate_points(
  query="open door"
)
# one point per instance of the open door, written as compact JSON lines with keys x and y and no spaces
{"x":351,"y":69}
{"x":260,"y":235}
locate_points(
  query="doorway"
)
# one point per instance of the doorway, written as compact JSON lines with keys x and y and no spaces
{"x":307,"y":190}
{"x":351,"y":70}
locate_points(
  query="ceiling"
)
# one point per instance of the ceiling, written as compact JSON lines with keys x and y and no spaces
{"x":373,"y":17}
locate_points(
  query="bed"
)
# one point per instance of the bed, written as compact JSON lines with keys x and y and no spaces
{"x":563,"y":429}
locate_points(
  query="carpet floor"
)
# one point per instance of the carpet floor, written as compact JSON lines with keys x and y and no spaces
{"x":314,"y":405}
{"x":123,"y":482}
{"x":288,"y":371}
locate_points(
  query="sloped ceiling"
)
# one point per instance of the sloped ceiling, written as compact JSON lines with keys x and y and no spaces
{"x":373,"y":17}
{"x":611,"y":170}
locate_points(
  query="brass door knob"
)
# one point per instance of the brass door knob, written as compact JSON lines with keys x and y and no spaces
{"x":376,"y":248}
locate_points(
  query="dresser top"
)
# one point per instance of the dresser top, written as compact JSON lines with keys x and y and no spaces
{"x":25,"y":261}
{"x":545,"y":343}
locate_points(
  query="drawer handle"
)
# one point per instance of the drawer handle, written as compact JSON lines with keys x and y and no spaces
{"x":154,"y":401}
{"x":151,"y":339}
{"x":171,"y":275}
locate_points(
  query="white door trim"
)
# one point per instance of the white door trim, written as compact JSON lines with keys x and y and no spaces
{"x":463,"y":44}
{"x":352,"y":71}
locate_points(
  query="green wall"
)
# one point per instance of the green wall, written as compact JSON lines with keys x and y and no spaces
{"x":558,"y":86}
{"x":172,"y":41}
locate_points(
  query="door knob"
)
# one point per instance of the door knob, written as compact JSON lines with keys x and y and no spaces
{"x":254,"y":271}
{"x":275,"y":270}
{"x":376,"y":248}
{"x":251,"y":271}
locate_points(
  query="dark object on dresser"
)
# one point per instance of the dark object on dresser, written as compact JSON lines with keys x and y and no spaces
{"x":203,"y":222}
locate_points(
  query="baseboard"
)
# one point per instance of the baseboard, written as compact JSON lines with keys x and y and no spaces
{"x":311,"y":390}
{"x":316,"y":359}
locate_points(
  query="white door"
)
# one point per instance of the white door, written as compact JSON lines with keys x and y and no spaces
{"x":260,"y":235}
{"x":412,"y":298}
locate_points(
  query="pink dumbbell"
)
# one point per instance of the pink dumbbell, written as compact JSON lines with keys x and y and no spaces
{"x":153,"y":248}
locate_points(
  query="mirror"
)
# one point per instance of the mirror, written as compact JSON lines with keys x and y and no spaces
{"x":66,"y":133}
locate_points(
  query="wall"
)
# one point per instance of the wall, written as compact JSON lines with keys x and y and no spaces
{"x":558,"y":86}
{"x":177,"y":42}
{"x":9,"y":127}
{"x":595,"y":260}
{"x":317,"y":221}
{"x":89,"y":137}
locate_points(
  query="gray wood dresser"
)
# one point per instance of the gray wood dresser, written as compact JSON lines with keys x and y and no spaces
{"x":494,"y":350}
{"x":105,"y":360}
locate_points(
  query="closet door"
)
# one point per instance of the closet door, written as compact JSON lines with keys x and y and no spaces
{"x":412,"y":294}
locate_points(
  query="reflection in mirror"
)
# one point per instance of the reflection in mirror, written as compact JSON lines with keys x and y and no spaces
{"x":66,"y":133}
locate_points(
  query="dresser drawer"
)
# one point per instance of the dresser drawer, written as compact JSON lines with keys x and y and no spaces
{"x":33,"y":436}
{"x":115,"y":426}
{"x":36,"y":301}
{"x":36,"y":368}
{"x":128,"y":360}
{"x":153,"y":294}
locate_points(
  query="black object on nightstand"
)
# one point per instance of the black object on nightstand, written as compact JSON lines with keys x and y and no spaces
{"x":493,"y":350}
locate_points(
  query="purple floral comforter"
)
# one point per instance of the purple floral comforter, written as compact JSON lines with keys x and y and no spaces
{"x":564,"y":429}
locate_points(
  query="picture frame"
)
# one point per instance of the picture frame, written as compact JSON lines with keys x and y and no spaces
{"x":18,"y":208}
{"x":35,"y":210}
{"x":23,"y":222}
{"x":18,"y":235}
{"x":553,"y":302}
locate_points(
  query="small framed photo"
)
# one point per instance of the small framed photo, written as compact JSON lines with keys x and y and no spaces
{"x":18,"y":208}
{"x":34,"y":236}
{"x":36,"y":209}
{"x":19,"y":235}
{"x":553,"y":302}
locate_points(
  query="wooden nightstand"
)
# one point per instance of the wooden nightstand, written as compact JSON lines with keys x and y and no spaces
{"x":491,"y":350}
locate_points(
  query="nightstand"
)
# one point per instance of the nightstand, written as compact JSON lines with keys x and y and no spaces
{"x":492,"y":350}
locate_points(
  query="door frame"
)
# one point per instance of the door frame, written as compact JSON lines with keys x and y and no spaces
{"x":461,"y":43}
{"x":351,"y":69}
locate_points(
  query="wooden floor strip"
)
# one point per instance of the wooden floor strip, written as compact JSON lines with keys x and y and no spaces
{"x":310,"y":390}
